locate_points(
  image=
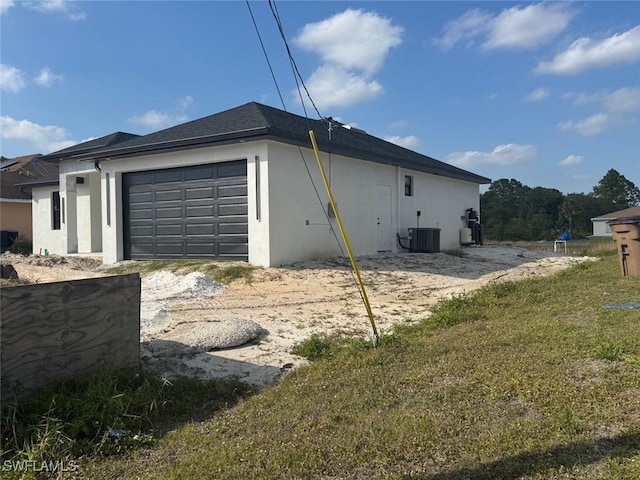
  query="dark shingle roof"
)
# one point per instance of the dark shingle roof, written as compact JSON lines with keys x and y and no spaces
{"x":26,"y":170}
{"x":254,"y":121}
{"x":90,"y":146}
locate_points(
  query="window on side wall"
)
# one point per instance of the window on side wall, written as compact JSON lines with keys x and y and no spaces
{"x":55,"y":211}
{"x":408,"y":186}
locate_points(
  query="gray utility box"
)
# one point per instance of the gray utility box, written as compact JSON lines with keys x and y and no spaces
{"x":424,"y":240}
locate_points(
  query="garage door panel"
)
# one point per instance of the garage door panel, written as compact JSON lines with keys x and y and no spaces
{"x":168,"y":176}
{"x":199,"y":192}
{"x":170,"y":248}
{"x":200,"y":211}
{"x":141,"y":178}
{"x":168,"y":195}
{"x":142,"y":214}
{"x":142,"y":231}
{"x":235,"y":249}
{"x":141,"y":197}
{"x":204,"y":172}
{"x":226,"y":210}
{"x":232,"y":169}
{"x":142,"y":249}
{"x":172,"y":212}
{"x":188,"y":212}
{"x":232,"y":191}
{"x":204,"y":249}
{"x":203,"y":229}
{"x":167,"y":230}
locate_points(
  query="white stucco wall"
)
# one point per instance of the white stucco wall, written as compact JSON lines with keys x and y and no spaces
{"x":89,"y":217}
{"x":355,"y":184}
{"x":441,"y":201}
{"x":298,"y":227}
{"x":44,"y":237}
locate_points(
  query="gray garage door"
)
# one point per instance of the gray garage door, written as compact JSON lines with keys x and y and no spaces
{"x":188,"y":212}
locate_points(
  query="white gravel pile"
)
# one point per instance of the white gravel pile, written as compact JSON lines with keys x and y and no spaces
{"x":161,"y":288}
{"x":224,"y":334}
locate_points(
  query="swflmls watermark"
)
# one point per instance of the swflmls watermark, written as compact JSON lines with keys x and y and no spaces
{"x":34,"y":466}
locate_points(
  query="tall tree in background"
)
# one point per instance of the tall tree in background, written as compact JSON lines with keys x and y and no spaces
{"x":513,"y":211}
{"x":615,"y":192}
{"x":576,"y":213}
{"x":500,"y":208}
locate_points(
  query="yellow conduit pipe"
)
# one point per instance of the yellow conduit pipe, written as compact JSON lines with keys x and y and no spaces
{"x":345,"y":237}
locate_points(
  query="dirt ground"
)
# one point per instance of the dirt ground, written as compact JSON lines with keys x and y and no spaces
{"x":293,"y":302}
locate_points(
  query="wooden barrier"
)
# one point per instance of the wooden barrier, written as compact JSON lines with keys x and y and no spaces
{"x":59,"y":330}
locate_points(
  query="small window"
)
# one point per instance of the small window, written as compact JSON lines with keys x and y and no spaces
{"x":55,"y":210}
{"x":408,"y":186}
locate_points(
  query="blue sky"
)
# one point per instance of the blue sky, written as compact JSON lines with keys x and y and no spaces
{"x":546,"y":93}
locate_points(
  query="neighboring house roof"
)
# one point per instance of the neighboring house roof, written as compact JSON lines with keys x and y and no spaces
{"x":254,"y":121}
{"x":22,"y":171}
{"x":90,"y":146}
{"x":627,"y":212}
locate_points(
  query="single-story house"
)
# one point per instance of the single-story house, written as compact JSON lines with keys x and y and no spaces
{"x":15,"y":200}
{"x":244,"y":184}
{"x":601,"y":226}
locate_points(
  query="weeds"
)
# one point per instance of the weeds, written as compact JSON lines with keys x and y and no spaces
{"x":106,"y":413}
{"x":218,"y":271}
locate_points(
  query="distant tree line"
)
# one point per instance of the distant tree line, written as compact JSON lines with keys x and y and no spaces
{"x":513,"y":211}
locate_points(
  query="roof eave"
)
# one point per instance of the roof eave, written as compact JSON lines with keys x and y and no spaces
{"x":172,"y":145}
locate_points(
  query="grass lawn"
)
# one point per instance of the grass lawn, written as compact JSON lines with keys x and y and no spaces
{"x":531,"y":380}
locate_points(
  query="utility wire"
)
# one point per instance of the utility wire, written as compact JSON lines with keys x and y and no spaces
{"x":276,"y":15}
{"x":264,"y":50}
{"x":299,"y":80}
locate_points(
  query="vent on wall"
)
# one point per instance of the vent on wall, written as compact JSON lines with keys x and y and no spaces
{"x":79,"y":180}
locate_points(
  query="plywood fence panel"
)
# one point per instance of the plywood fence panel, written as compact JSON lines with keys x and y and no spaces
{"x":59,"y":330}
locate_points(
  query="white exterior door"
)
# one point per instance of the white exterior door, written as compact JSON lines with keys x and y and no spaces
{"x":383,"y":214}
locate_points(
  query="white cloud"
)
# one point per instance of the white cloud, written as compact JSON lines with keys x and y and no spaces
{"x":65,"y":7}
{"x":571,"y":160}
{"x":157,"y":120}
{"x":528,"y":27}
{"x":11,"y":79}
{"x":464,"y":28}
{"x":411,"y":141}
{"x":622,"y":100}
{"x":618,"y":109}
{"x":509,"y":154}
{"x":332,"y":86}
{"x":353,"y":39}
{"x":516,"y":27}
{"x":587,"y":53}
{"x":185,"y":102}
{"x":45,"y":139}
{"x":626,"y":99}
{"x":5,"y":5}
{"x":352,"y":45}
{"x":537,"y":95}
{"x":592,"y":125}
{"x":46,"y":77}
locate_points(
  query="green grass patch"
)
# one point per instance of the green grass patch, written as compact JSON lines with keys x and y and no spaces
{"x":530,"y":379}
{"x":106,"y":413}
